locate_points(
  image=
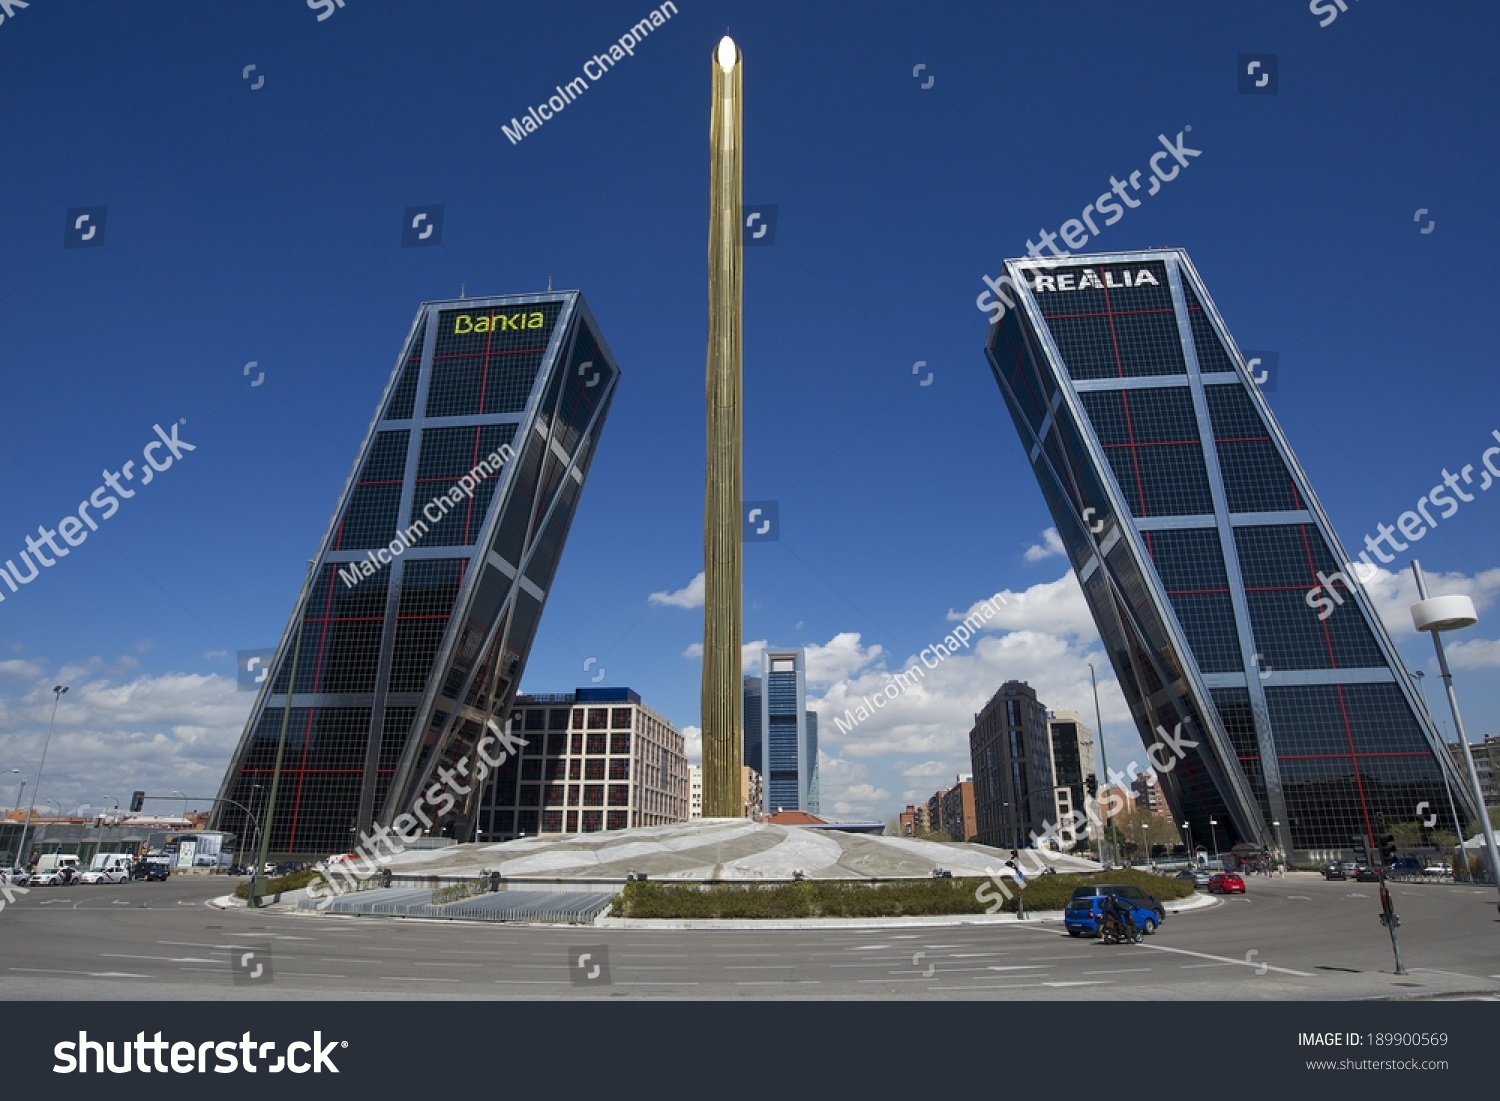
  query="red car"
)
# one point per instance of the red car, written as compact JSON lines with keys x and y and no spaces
{"x":1226,"y":882}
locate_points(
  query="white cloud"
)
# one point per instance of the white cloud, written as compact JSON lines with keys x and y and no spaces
{"x":153,"y":733}
{"x":689,"y":596}
{"x":840,"y":658}
{"x":1478,"y":653}
{"x":17,"y":667}
{"x":692,"y":736}
{"x":1050,"y":547}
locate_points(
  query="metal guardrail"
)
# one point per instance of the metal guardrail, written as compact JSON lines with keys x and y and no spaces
{"x":551,"y":907}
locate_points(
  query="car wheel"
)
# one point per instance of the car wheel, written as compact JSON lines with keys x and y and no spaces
{"x":1075,"y":932}
{"x":1148,"y":926}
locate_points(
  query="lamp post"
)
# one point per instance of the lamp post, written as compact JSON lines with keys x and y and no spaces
{"x":1213,"y":826}
{"x":1103,"y":760}
{"x":57,"y":694}
{"x":252,"y":896}
{"x":1280,"y":848}
{"x":184,"y":803}
{"x":1458,"y":828}
{"x":1449,"y":613}
{"x":1192,"y":856}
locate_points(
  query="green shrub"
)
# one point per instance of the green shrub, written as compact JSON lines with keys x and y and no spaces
{"x":854,"y":898}
{"x":293,"y":882}
{"x":457,"y":892}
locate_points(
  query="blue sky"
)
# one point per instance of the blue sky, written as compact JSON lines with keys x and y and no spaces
{"x":262,"y":224}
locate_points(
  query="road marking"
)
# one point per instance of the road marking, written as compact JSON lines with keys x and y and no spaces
{"x":1119,"y":971}
{"x":1226,"y":959}
{"x":782,"y":982}
{"x":414,"y":978}
{"x":892,"y":979}
{"x":1016,"y":967}
{"x":1304,"y":898}
{"x":759,"y":966}
{"x":162,"y":959}
{"x":642,"y":982}
{"x":337,"y":959}
{"x":866,"y":947}
{"x":90,"y":974}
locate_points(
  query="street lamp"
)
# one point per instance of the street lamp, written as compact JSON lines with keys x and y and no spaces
{"x":1213,"y":826}
{"x":1192,"y":856}
{"x":1449,"y":613}
{"x":184,"y":803}
{"x":1421,"y":678}
{"x":1103,"y":760}
{"x":57,"y":694}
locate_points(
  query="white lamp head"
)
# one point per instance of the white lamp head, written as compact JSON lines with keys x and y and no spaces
{"x":1444,"y":613}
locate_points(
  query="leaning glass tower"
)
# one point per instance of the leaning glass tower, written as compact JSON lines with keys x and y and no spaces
{"x":1198,"y":541}
{"x":430,"y":581}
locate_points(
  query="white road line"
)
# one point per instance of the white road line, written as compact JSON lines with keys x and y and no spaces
{"x":891,"y":980}
{"x":641,"y":982}
{"x":414,"y":978}
{"x":339,"y":959}
{"x":90,"y":974}
{"x":783,"y":982}
{"x":1120,"y":971}
{"x":1015,"y":967}
{"x":1258,"y":965}
{"x":161,"y":959}
{"x":866,"y":947}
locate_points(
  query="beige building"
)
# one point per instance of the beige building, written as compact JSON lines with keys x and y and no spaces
{"x":695,"y":792}
{"x":594,"y":759}
{"x":752,"y":791}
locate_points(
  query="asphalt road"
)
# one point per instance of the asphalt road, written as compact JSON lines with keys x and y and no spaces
{"x":1294,"y":939}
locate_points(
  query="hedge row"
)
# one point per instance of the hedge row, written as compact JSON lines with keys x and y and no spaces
{"x":845,"y":898}
{"x":293,"y":882}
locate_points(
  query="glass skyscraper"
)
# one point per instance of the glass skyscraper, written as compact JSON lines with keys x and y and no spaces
{"x":1201,"y":550}
{"x":420,"y":612}
{"x":786,"y":740}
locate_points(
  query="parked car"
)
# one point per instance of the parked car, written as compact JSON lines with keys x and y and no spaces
{"x":61,"y":876}
{"x":1199,"y":877}
{"x":19,"y":877}
{"x":1334,"y":871}
{"x":153,"y":868}
{"x":1363,"y":873}
{"x":1083,"y":914}
{"x":105,"y":875}
{"x":1227,"y":883}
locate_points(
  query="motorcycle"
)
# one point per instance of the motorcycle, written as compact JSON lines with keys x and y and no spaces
{"x":1114,"y":931}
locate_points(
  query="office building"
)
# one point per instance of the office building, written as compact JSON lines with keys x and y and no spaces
{"x":1011,"y":754}
{"x":1486,"y":756}
{"x":784,"y":732}
{"x":593,"y":759}
{"x":1073,"y":765}
{"x":1268,"y":694}
{"x":695,"y":792}
{"x":430,"y":580}
{"x":752,"y":794}
{"x":958,"y":817}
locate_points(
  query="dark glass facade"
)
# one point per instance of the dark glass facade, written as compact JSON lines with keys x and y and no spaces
{"x":1010,"y":750}
{"x":1197,"y":540}
{"x":431,"y":579}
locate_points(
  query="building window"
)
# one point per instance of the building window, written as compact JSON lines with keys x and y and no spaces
{"x":619,"y":795}
{"x":578,"y":719}
{"x":552,"y":821}
{"x":557,"y":719}
{"x":593,"y":821}
{"x":618,"y":819}
{"x":593,"y":768}
{"x":593,"y":795}
{"x":620,"y":719}
{"x":577,"y":749}
{"x":598,"y":718}
{"x":619,"y":743}
{"x":597,"y":744}
{"x":619,"y":768}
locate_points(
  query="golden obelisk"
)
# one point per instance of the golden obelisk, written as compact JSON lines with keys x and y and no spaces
{"x":722,"y":723}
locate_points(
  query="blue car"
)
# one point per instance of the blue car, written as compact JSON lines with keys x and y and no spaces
{"x":1083,"y":913}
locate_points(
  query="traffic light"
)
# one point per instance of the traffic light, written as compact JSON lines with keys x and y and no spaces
{"x":1091,"y":784}
{"x":137,"y":801}
{"x":1386,"y":844}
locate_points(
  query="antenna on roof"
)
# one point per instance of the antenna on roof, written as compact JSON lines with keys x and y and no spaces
{"x":549,"y":280}
{"x":461,"y":289}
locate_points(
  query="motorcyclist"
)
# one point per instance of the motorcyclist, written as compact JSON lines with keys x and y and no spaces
{"x":1117,"y":915}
